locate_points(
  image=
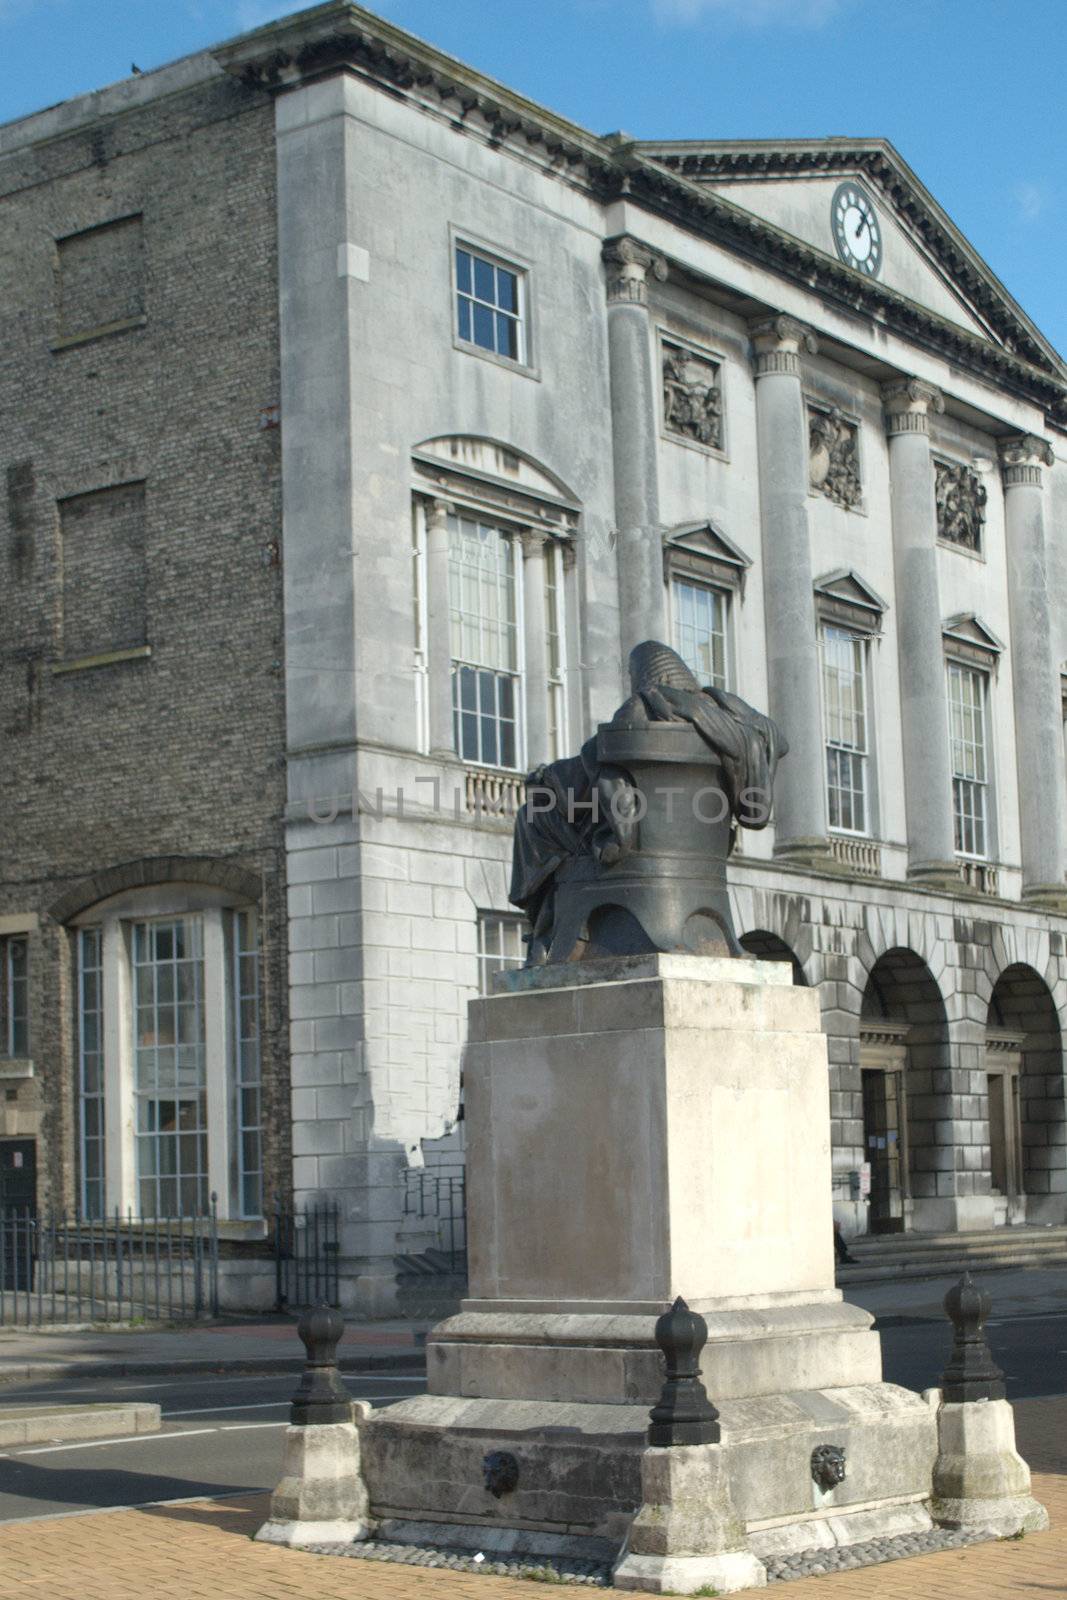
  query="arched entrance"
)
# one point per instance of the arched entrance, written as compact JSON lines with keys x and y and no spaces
{"x":903,"y":1050}
{"x":768,"y":947}
{"x":1025,"y":1087}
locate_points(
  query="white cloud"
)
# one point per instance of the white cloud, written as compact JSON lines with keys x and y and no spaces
{"x":749,"y":13}
{"x":1031,"y":199}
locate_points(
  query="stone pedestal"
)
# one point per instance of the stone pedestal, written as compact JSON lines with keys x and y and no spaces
{"x":687,"y":1534}
{"x":321,"y":1498}
{"x":980,"y":1479}
{"x":638,"y":1129}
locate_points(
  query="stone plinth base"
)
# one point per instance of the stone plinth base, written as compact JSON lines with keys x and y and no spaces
{"x":321,"y":1498}
{"x":580,"y":1465}
{"x":687,"y":1534}
{"x":980,"y":1480}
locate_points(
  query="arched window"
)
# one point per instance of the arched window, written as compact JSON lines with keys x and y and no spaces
{"x":169,"y":1053}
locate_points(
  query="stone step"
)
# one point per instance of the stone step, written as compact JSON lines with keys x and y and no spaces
{"x":917,"y":1255}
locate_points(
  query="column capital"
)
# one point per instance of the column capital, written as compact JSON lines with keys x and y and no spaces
{"x":533,"y":541}
{"x":1021,"y":459}
{"x":628,"y":264}
{"x":779,"y":341}
{"x":908,"y":403}
{"x":438,"y":512}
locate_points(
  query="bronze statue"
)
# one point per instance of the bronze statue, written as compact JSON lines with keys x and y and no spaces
{"x":622,"y":848}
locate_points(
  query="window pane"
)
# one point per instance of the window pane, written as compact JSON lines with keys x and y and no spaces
{"x":170,"y":1057}
{"x":485,"y":642}
{"x":844,"y":688}
{"x":464,"y":318}
{"x":484,"y":327}
{"x":500,"y":945}
{"x":507,"y":290}
{"x":966,"y":707}
{"x":91,"y":1070}
{"x":507,"y":340}
{"x":463,"y":272}
{"x":247,"y":1136}
{"x":484,"y":285}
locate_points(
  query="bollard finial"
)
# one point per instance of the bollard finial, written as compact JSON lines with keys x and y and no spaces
{"x":971,"y":1374}
{"x":320,"y":1395}
{"x":683,"y":1414}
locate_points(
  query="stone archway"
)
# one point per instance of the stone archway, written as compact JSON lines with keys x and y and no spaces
{"x":769,"y":947}
{"x":904,"y":1046}
{"x":1024,"y":1069}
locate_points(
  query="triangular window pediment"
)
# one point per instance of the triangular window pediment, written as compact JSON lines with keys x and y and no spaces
{"x":843,"y":596}
{"x":702,"y":550}
{"x":968,"y":637}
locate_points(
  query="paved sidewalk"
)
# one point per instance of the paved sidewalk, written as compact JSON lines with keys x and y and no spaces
{"x":203,"y":1551}
{"x":270,"y":1345}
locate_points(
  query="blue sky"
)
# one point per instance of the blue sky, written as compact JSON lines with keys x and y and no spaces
{"x":970,"y":91}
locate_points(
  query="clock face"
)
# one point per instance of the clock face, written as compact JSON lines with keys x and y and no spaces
{"x":856,"y":232}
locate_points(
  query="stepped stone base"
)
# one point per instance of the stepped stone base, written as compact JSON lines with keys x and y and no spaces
{"x":580,"y":1466}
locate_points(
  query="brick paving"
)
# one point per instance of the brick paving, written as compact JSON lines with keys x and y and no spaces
{"x":203,"y":1551}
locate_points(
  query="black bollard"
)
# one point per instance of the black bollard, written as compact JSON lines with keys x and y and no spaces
{"x":683,"y":1414}
{"x":971,"y":1374}
{"x":320,"y":1395}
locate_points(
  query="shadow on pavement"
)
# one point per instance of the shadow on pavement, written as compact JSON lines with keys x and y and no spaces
{"x":103,"y":1488}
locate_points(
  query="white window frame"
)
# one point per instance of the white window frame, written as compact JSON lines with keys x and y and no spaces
{"x":860,"y":755}
{"x":505,"y":930}
{"x":113,"y":925}
{"x":954,"y":671}
{"x":15,"y":987}
{"x":518,"y":674}
{"x":725,"y":597}
{"x":520,"y":270}
{"x":558,"y":675}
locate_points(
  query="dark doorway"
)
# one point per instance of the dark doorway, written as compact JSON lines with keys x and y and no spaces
{"x":882,"y":1134}
{"x":18,"y":1207}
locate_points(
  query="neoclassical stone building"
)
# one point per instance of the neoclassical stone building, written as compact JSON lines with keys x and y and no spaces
{"x":545,"y":394}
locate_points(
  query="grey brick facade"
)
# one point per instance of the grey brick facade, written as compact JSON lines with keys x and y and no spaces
{"x":140,"y":531}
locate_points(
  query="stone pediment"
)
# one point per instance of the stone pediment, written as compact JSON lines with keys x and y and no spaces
{"x":700,"y":549}
{"x":843,"y":596}
{"x":792,"y":185}
{"x":967,"y":636}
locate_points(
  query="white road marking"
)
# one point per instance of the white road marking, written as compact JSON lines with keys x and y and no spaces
{"x":96,"y":1444}
{"x":208,"y":1411}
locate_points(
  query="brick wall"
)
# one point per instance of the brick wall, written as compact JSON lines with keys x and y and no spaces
{"x":141,"y":504}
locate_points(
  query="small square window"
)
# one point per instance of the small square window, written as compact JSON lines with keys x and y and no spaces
{"x":490,"y":311}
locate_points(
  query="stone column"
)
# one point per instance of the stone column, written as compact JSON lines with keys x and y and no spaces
{"x":535,"y":632}
{"x":1038,"y":728}
{"x":439,"y":630}
{"x":794,"y":687}
{"x":920,"y":651}
{"x":642,"y":595}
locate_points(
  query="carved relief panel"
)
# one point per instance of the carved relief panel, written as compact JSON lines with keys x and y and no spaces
{"x":960,"y":496}
{"x":692,"y":395}
{"x":834,"y":461}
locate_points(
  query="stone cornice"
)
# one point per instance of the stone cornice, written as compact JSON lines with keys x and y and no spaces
{"x":341,"y":36}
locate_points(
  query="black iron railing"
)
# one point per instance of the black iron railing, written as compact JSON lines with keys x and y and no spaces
{"x":439,"y":1194}
{"x":59,"y":1266}
{"x":306,"y":1254}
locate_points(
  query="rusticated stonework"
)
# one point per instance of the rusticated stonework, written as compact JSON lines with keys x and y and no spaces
{"x":834,"y":457}
{"x":961,"y":498}
{"x":692,"y":397}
